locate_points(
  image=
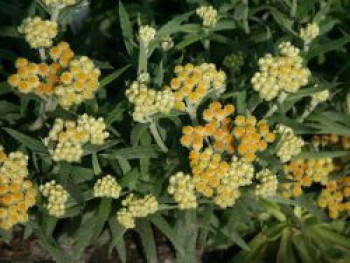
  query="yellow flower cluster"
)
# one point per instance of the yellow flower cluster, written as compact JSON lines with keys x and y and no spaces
{"x":303,"y":173}
{"x":59,"y":3}
{"x":211,"y":144}
{"x":209,"y":15}
{"x":319,"y":97}
{"x":37,"y":32}
{"x":146,"y":34}
{"x":17,"y":194}
{"x":149,"y":101}
{"x":217,"y":129}
{"x":70,"y":79}
{"x":78,"y":83}
{"x":193,"y":83}
{"x":182,"y":188}
{"x":107,"y":187}
{"x":309,"y":33}
{"x":66,"y":138}
{"x":289,"y":145}
{"x":331,"y":139}
{"x":268,"y":183}
{"x":253,"y":136}
{"x":134,"y":208}
{"x":282,"y":73}
{"x":335,"y":196}
{"x":240,"y":173}
{"x":56,"y":196}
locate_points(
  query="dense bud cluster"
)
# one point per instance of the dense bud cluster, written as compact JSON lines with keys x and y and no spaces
{"x":149,"y":101}
{"x":240,"y":173}
{"x":58,"y":4}
{"x":182,"y":188}
{"x":66,"y":138}
{"x":319,"y":97}
{"x":268,"y":183}
{"x":134,"y":208}
{"x":167,"y":44}
{"x":37,"y":32}
{"x":309,"y":33}
{"x":71,"y":80}
{"x":78,"y":83}
{"x":303,"y":173}
{"x":234,"y":62}
{"x":193,"y":83}
{"x":253,"y":136}
{"x":107,"y":187}
{"x":336,"y":197}
{"x":321,"y":141}
{"x":282,"y":73}
{"x":146,"y":34}
{"x":56,"y":196}
{"x":209,"y":15}
{"x":289,"y":145}
{"x":17,"y":194}
{"x":217,"y":129}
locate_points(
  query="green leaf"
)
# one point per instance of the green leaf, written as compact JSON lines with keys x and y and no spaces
{"x":83,"y":237}
{"x":137,"y":132}
{"x":104,"y":210}
{"x":318,"y":50}
{"x":50,"y":245}
{"x":319,"y":155}
{"x":96,"y":165}
{"x":81,"y":174}
{"x":168,"y":231}
{"x":304,"y":251}
{"x":188,"y":40}
{"x":118,"y":232}
{"x":121,"y":249}
{"x":137,"y":152}
{"x":93,"y":149}
{"x":144,"y":228}
{"x":31,"y":143}
{"x":116,"y":114}
{"x":285,"y":253}
{"x":113,"y":76}
{"x":126,"y":27}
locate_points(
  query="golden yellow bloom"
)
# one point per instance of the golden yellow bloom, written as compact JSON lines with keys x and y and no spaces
{"x":66,"y":138}
{"x":182,"y":188}
{"x":70,"y":79}
{"x":193,"y":83}
{"x":335,"y":197}
{"x":17,"y":194}
{"x":304,"y":172}
{"x":56,"y":196}
{"x":134,"y":208}
{"x":38,"y":33}
{"x":284,"y":72}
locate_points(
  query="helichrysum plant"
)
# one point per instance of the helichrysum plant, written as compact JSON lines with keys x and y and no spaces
{"x":213,"y":124}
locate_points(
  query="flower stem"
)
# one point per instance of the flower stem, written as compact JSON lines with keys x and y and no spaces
{"x":274,"y":107}
{"x":157,"y":137}
{"x":307,"y":112}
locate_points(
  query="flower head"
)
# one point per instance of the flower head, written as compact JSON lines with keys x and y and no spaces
{"x":37,"y":32}
{"x":17,"y":194}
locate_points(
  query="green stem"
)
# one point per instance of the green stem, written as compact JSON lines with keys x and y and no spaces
{"x":157,"y":137}
{"x":46,"y":106}
{"x":245,"y":19}
{"x":282,"y":97}
{"x":307,"y":112}
{"x":142,"y":59}
{"x":293,"y":9}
